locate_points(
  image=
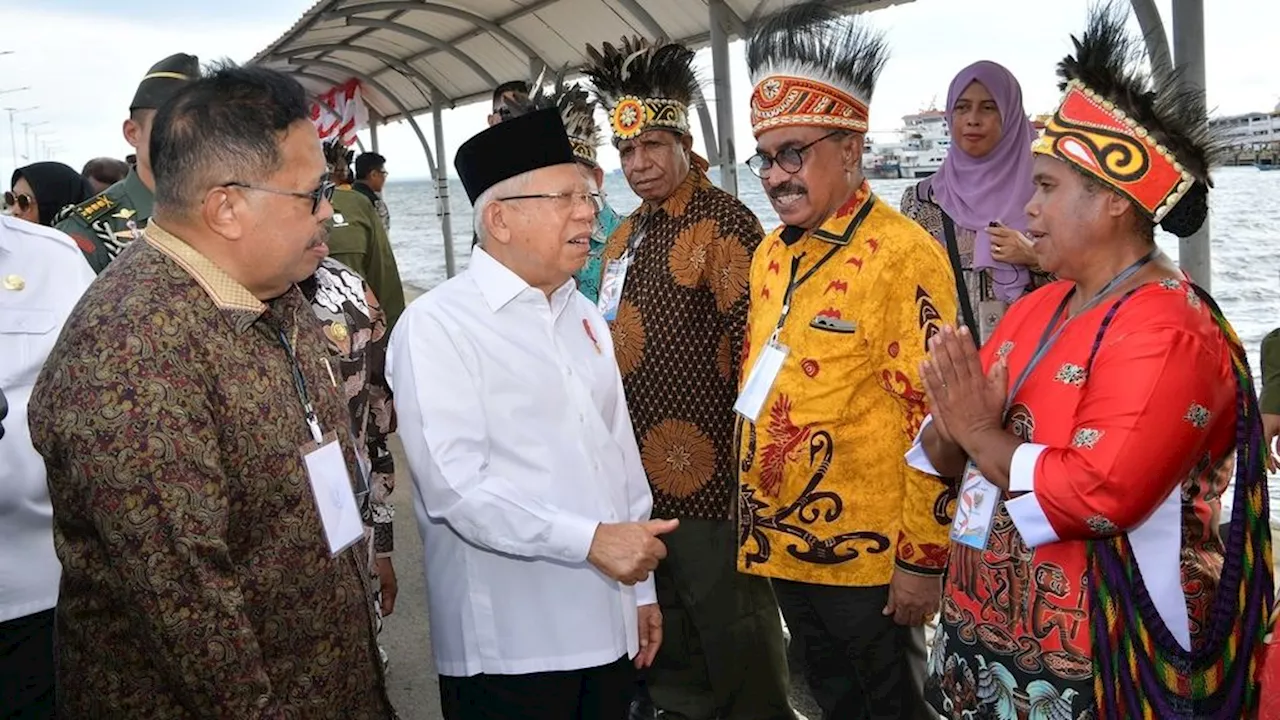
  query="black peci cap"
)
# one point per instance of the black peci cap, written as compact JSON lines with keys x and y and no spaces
{"x":512,"y":148}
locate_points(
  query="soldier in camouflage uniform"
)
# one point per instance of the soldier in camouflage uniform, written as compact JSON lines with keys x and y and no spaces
{"x":105,"y":223}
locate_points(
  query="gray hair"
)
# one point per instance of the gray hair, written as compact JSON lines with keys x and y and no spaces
{"x":511,"y":186}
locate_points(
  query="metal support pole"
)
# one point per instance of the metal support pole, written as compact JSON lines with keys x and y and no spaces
{"x":724,"y":95}
{"x":1188,"y":55}
{"x":13,"y":138}
{"x":708,"y":127}
{"x":1153,"y":34}
{"x":442,"y":185}
{"x":373,"y":136}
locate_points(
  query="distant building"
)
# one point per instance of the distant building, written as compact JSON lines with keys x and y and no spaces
{"x":1250,"y":131}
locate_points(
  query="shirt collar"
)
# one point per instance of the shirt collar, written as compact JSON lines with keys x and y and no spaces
{"x":227,"y":294}
{"x":499,"y":285}
{"x":840,"y":227}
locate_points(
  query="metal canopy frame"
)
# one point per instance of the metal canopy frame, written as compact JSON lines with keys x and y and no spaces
{"x":415,"y":56}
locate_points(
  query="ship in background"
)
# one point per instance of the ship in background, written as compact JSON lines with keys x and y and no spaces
{"x":914,"y":151}
{"x":1251,"y":138}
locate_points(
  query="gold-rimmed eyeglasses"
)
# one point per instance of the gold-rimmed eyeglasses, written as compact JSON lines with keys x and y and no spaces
{"x":565,"y":200}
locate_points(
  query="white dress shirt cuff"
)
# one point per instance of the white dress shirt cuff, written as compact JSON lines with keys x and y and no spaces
{"x":571,"y":537}
{"x":1028,"y":516}
{"x":1022,"y":468}
{"x":646,"y":594}
{"x":917,"y":457}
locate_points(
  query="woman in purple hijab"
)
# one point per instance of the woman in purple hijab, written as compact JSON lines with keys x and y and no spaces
{"x":975,"y":203}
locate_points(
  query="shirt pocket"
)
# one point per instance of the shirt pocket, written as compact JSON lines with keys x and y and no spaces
{"x":27,"y":336}
{"x":829,"y":367}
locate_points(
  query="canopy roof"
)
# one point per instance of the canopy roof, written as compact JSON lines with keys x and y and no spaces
{"x":411,"y":54}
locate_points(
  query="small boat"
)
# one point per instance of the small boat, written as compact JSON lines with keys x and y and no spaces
{"x":1266,"y":165}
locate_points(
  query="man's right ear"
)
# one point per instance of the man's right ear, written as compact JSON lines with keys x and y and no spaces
{"x":132,"y":133}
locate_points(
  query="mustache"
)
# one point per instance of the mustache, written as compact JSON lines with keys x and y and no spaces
{"x":320,"y":238}
{"x":787,"y":188}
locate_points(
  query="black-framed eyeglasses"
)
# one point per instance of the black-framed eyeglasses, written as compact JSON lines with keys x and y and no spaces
{"x":565,"y":200}
{"x":789,"y":159}
{"x":22,"y":201}
{"x":323,"y":192}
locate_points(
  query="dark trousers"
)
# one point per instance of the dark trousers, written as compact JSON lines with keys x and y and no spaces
{"x":723,"y":654}
{"x":860,"y":665}
{"x":26,"y":667}
{"x":599,"y":693}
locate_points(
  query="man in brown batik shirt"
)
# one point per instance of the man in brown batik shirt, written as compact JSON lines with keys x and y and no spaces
{"x":179,"y":416}
{"x":674,"y":292}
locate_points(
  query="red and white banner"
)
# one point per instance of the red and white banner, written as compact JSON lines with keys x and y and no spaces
{"x":340,"y":113}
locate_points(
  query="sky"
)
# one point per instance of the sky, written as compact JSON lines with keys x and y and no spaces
{"x":82,"y":59}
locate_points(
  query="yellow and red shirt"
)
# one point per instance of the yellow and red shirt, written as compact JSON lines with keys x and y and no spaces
{"x":824,"y":494}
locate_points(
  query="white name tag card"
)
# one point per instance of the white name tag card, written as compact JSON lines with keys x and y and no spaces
{"x":615,"y":276}
{"x":335,"y":501}
{"x":975,"y":509}
{"x":760,"y":380}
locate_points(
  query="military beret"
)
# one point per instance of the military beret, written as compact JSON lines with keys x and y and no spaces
{"x":163,"y":80}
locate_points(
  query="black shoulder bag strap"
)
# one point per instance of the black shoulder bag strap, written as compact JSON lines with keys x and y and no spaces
{"x":953,"y":252}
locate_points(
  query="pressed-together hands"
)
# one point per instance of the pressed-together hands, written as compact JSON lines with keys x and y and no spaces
{"x":965,"y":402}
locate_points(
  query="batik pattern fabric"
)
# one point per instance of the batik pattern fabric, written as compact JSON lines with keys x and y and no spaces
{"x":678,"y":334}
{"x":824,"y":496}
{"x":980,"y":283}
{"x":197,"y":580}
{"x":1113,"y":596}
{"x":588,"y":278}
{"x":354,"y":325}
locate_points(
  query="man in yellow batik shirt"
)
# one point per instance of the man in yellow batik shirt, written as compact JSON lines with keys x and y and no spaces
{"x":844,"y":299}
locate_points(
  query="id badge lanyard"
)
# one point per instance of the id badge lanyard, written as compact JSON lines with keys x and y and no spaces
{"x":313,"y":421}
{"x":768,"y":363}
{"x":978,"y":497}
{"x":300,"y":384}
{"x":1053,"y":331}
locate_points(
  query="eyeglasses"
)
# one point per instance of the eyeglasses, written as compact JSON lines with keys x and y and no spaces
{"x":21,"y":200}
{"x":789,"y":159}
{"x":324,"y":192}
{"x":565,"y":201}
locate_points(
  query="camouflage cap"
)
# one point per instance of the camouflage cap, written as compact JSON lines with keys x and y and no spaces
{"x":163,"y":80}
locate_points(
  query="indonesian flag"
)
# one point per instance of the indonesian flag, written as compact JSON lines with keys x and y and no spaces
{"x":340,"y":112}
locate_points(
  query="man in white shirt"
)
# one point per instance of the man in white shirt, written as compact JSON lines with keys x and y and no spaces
{"x":42,"y":275}
{"x":532,"y":501}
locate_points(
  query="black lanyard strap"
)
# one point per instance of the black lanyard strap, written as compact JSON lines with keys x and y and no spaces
{"x":300,"y":384}
{"x":1053,"y":331}
{"x":793,"y":283}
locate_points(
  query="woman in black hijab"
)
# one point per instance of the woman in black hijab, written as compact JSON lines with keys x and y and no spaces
{"x":41,"y":189}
